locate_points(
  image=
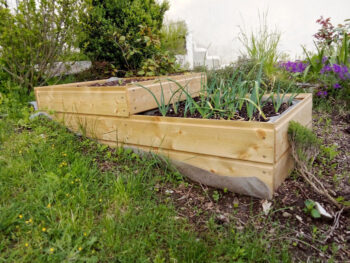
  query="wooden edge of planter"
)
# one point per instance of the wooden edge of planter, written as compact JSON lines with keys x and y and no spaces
{"x":285,"y":165}
{"x":209,"y":137}
{"x":302,"y":113}
{"x":86,"y":84}
{"x":110,"y":103}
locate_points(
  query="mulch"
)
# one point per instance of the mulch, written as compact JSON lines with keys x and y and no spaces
{"x":120,"y":82}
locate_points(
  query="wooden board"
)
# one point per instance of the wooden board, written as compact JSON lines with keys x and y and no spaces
{"x":122,"y":101}
{"x":87,"y":101}
{"x":229,"y":139}
{"x":302,"y":114}
{"x":282,"y":169}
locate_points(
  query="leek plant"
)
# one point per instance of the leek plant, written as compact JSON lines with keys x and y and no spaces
{"x":162,"y":105}
{"x":226,"y":98}
{"x":278,"y":98}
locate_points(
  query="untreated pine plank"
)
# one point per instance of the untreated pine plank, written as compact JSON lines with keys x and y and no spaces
{"x":105,"y":103}
{"x":302,"y":113}
{"x":211,"y":137}
{"x":282,"y":169}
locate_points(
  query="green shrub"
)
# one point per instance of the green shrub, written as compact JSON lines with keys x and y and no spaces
{"x":127,"y":34}
{"x":35,"y":36}
{"x":173,"y":37}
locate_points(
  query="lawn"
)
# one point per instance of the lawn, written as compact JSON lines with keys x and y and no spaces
{"x":67,"y":198}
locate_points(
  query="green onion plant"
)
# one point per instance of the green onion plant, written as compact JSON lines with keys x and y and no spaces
{"x":225,"y":98}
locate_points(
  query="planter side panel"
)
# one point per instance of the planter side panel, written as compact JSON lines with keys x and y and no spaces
{"x":282,"y":169}
{"x":235,"y":142}
{"x":302,"y":113}
{"x":87,"y":100}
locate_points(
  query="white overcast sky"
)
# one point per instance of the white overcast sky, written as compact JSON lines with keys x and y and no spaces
{"x":216,"y":22}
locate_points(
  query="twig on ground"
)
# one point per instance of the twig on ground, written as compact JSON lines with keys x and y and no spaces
{"x":206,"y":193}
{"x":335,"y":225}
{"x":303,"y":242}
{"x":316,"y":184}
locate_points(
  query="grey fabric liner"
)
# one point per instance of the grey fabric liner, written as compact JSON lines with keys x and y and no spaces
{"x":275,"y":118}
{"x":251,"y":186}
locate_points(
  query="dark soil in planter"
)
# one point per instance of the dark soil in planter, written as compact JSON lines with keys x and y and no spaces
{"x":120,"y":82}
{"x":267,"y":109}
{"x":123,"y":82}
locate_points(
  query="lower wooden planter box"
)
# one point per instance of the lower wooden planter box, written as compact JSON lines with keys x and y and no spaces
{"x":251,"y":158}
{"x":92,"y":97}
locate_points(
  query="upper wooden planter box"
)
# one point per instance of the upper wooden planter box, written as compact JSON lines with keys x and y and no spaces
{"x":252,"y":158}
{"x":120,"y":101}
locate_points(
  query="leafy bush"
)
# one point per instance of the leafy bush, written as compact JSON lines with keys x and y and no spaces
{"x":173,"y":37}
{"x":127,"y":34}
{"x":329,"y":68}
{"x":35,"y":36}
{"x":335,"y":41}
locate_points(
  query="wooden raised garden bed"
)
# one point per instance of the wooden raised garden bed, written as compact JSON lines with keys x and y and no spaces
{"x":97,"y":98}
{"x":247,"y":157}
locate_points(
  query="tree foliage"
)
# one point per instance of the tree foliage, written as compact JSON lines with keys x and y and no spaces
{"x":126,"y":33}
{"x":34,"y":36}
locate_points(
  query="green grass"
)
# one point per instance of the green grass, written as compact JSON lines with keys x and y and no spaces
{"x":58,"y":204}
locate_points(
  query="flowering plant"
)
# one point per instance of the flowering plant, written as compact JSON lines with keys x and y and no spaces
{"x":332,"y":76}
{"x":329,"y":34}
{"x":294,"y":67}
{"x":335,"y":39}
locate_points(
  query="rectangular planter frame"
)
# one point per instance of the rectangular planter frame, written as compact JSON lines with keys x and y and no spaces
{"x":122,"y":101}
{"x":247,"y":157}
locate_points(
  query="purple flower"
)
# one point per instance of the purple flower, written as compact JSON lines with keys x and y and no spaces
{"x":322,"y":94}
{"x":325,"y":69}
{"x":336,"y":86}
{"x":341,"y":76}
{"x":294,"y":67}
{"x":341,"y":71}
{"x":337,"y":68}
{"x":324,"y":60}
